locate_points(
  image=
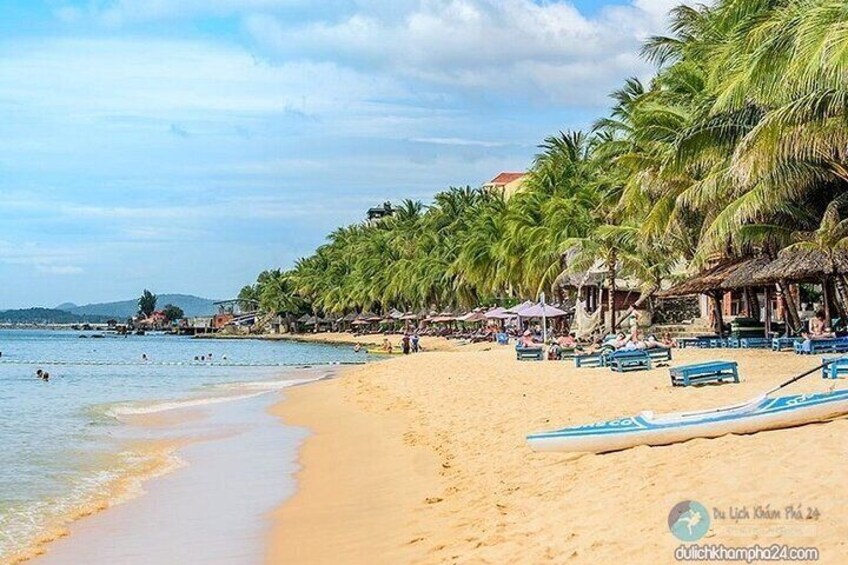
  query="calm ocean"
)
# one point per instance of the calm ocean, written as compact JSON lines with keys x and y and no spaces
{"x":63,"y":441}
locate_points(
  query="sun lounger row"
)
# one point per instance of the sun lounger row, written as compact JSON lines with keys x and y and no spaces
{"x":814,"y":346}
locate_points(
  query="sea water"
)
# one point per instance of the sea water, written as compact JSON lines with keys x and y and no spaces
{"x":63,"y":445}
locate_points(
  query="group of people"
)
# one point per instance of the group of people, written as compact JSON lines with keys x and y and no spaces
{"x":636,"y":340}
{"x":409,"y":343}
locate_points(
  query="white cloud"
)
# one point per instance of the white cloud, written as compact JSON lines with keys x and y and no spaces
{"x":457,"y":141}
{"x":174,"y":79}
{"x":516,"y":48}
{"x":53,"y":260}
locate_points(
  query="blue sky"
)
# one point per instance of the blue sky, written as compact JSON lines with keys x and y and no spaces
{"x":184,"y":145}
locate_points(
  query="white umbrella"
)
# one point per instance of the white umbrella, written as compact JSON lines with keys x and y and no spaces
{"x":542,"y":311}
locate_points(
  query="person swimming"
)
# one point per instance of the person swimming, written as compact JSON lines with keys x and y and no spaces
{"x":357,"y":348}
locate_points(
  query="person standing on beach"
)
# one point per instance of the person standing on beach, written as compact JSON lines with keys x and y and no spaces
{"x":415,"y":339}
{"x":404,"y":343}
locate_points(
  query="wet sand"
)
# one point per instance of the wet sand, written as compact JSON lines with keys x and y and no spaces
{"x":422,"y":459}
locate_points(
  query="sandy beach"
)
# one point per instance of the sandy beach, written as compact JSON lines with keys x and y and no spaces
{"x":428,"y":343}
{"x":422,"y":459}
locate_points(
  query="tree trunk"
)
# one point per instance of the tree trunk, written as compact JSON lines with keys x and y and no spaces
{"x":611,"y":265}
{"x":717,"y":313}
{"x":641,"y":300}
{"x":826,"y":299}
{"x":841,"y":297}
{"x":767,"y":311}
{"x":793,"y":320}
{"x":753,"y":303}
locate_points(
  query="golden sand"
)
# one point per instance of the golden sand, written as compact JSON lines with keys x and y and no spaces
{"x":422,"y":459}
{"x":428,"y":343}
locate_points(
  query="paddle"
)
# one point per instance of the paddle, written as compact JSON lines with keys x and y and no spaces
{"x":805,"y":374}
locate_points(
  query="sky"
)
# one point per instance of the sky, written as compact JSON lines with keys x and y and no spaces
{"x":186,"y":145}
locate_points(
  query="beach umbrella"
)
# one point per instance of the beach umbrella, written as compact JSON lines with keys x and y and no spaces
{"x":409,"y":316}
{"x":516,"y":310}
{"x":542,"y":310}
{"x":473,"y":317}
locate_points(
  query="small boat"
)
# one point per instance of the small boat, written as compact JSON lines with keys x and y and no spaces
{"x":759,"y":414}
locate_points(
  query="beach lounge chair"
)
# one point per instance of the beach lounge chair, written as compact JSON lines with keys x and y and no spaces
{"x":597,"y":359}
{"x":754,"y":342}
{"x":711,"y":342}
{"x":529,"y":353}
{"x":567,"y":353}
{"x":701,"y":373}
{"x":659,"y":355}
{"x":837,"y":368}
{"x":826,"y":345}
{"x":684,"y":342}
{"x":781,"y":343}
{"x":625,"y":361}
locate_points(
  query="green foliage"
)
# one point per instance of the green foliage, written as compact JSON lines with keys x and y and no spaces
{"x":737,"y":146}
{"x":146,"y":303}
{"x":173,"y":313}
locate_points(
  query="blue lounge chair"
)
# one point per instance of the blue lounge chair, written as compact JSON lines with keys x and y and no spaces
{"x":528,"y":353}
{"x":659,"y":354}
{"x":755,"y":342}
{"x":835,"y":367}
{"x":781,"y":343}
{"x":624,"y":361}
{"x":700,"y":373}
{"x":597,"y":359}
{"x":827,"y":345}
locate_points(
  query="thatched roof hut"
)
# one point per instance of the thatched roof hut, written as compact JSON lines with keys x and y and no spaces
{"x":801,"y":266}
{"x":744,"y":273}
{"x":712,"y":279}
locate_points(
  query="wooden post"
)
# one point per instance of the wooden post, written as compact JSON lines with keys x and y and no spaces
{"x":826,"y":299}
{"x":767,"y":312}
{"x":717,"y":311}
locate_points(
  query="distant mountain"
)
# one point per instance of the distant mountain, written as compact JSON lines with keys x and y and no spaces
{"x":46,"y":316}
{"x":192,"y":306}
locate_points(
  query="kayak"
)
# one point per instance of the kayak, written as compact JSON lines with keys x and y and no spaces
{"x":759,"y":414}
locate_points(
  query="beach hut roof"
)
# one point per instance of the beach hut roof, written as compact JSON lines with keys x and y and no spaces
{"x":576,"y":280}
{"x":705,"y":281}
{"x":801,"y":266}
{"x":350,"y":317}
{"x":744,"y":273}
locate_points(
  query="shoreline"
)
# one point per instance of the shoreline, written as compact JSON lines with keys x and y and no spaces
{"x":423,"y":460}
{"x":168,"y":430}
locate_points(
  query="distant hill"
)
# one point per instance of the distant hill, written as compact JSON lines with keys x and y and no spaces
{"x":121,"y":310}
{"x":46,"y":316}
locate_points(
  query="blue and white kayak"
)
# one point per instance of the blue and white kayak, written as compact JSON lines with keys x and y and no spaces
{"x":761,"y":413}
